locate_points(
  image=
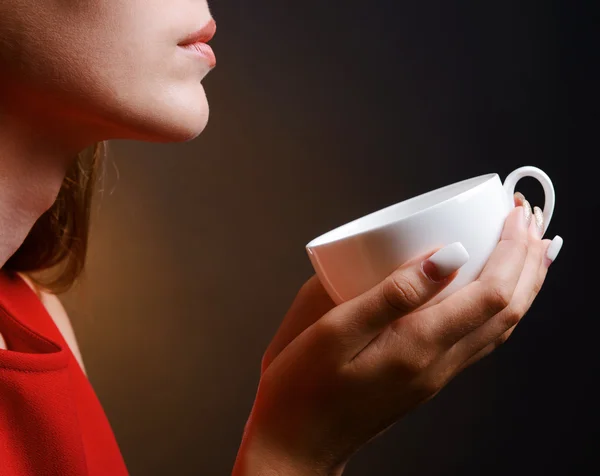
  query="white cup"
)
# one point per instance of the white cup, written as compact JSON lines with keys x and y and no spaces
{"x":354,"y":257}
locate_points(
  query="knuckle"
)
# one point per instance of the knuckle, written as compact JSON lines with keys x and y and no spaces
{"x":413,"y":365}
{"x":498,"y":295}
{"x":503,"y":338}
{"x":428,"y":386}
{"x":400,"y":293}
{"x":537,"y":286}
{"x":418,"y":365}
{"x":331,"y":332}
{"x":327,"y":329}
{"x":425,"y":336}
{"x":511,"y":316}
{"x":518,"y":246}
{"x":521,"y":245}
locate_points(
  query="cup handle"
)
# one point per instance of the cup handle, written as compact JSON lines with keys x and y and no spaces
{"x":542,"y":177}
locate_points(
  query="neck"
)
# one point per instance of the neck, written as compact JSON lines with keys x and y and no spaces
{"x":32,"y":169}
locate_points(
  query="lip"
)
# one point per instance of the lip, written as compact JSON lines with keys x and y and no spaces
{"x":204,"y":35}
{"x":203,"y":51}
{"x":197,"y":43}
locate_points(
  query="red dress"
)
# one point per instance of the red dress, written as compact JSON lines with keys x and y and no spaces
{"x":51,"y":422}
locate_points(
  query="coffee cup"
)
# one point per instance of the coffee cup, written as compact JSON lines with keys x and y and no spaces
{"x":356,"y":256}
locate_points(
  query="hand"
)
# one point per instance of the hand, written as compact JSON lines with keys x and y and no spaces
{"x":335,"y":377}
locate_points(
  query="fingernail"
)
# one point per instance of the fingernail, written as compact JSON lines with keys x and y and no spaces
{"x":528,"y":213}
{"x":539,"y":221}
{"x":444,"y":262}
{"x":520,"y":196}
{"x":554,"y":249}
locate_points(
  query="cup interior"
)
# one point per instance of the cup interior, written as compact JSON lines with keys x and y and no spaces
{"x":401,"y":210}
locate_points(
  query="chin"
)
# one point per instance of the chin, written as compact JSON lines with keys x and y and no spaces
{"x":167,"y":121}
{"x":184,"y":128}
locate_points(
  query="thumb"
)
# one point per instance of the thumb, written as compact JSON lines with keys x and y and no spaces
{"x":402,"y":292}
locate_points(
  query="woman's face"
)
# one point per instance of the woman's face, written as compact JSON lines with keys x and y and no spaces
{"x":92,"y":70}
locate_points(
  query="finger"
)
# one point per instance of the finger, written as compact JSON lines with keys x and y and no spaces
{"x":2,"y":343}
{"x":519,"y":199}
{"x":471,"y":306}
{"x":410,"y":286}
{"x":310,"y":304}
{"x":552,"y":249}
{"x":528,"y":287}
{"x":487,"y":350}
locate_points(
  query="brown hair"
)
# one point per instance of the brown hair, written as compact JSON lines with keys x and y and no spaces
{"x":59,"y":238}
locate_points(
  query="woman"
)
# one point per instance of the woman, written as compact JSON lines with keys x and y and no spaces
{"x":73,"y":74}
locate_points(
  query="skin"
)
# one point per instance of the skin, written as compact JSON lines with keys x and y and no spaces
{"x":75,"y":73}
{"x":333,"y":377}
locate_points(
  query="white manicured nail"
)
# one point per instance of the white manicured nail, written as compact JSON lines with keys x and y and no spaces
{"x":554,"y":248}
{"x":445,"y":261}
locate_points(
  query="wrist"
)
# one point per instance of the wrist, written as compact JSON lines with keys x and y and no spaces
{"x":259,"y":459}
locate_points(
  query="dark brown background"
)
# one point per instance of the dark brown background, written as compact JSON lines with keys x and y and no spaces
{"x":322,"y":112}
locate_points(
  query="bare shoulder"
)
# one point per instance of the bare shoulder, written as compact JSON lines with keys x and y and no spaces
{"x":59,"y":315}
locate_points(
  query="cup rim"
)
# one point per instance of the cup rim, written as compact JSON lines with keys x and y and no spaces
{"x":482,"y":180}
